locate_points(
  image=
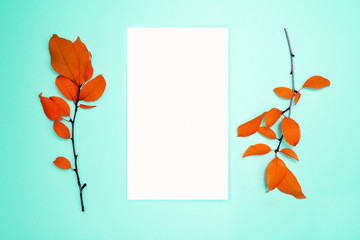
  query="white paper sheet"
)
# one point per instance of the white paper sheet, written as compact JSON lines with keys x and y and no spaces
{"x":177,"y":113}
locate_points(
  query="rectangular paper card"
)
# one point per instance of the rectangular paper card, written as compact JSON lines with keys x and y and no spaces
{"x":177,"y":113}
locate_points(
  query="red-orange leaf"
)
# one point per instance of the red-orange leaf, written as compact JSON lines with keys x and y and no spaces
{"x":284,"y":92}
{"x":93,"y":89}
{"x":272,"y":116}
{"x":84,"y":59}
{"x":67,"y":87}
{"x":62,"y":105}
{"x":62,"y":163}
{"x":297,"y":97}
{"x":61,"y":129}
{"x":250,"y":127}
{"x":86,"y":106}
{"x":291,"y":186}
{"x":290,"y":153}
{"x":275,"y":173}
{"x":316,"y":82}
{"x":63,"y":57}
{"x":267,"y":132}
{"x":51,"y":110}
{"x":291,"y":131}
{"x":257,"y":149}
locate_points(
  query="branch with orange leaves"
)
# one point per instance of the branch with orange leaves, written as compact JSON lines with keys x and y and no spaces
{"x":277,"y":174}
{"x":72,"y":61}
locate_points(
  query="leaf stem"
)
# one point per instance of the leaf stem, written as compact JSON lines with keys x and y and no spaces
{"x":76,"y":170}
{"x":293,"y":85}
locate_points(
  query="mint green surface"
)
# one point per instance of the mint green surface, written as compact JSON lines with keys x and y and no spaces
{"x":39,"y":201}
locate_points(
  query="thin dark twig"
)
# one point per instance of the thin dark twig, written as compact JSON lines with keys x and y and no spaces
{"x":292,"y":67}
{"x":293,"y":85}
{"x":76,"y":170}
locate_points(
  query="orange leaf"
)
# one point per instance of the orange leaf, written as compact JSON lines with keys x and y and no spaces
{"x":284,"y":92}
{"x":93,"y":89}
{"x":51,"y":110}
{"x":84,"y":59}
{"x":290,"y":153}
{"x":272,"y":116}
{"x":257,"y":149}
{"x":297,"y":97}
{"x":63,"y":57}
{"x":86,"y":106}
{"x":316,"y":82}
{"x":61,"y":129}
{"x":275,"y":173}
{"x":267,"y":132}
{"x":62,"y":105}
{"x":89,"y":70}
{"x":67,"y":87}
{"x":250,"y":127}
{"x":291,"y":131}
{"x":62,"y":163}
{"x":291,"y":186}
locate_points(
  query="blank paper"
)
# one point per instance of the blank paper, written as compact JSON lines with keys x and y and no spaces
{"x":177,"y":113}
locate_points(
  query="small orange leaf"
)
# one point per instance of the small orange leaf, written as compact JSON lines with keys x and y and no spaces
{"x":284,"y":92}
{"x":290,"y":153}
{"x":50,"y":108}
{"x":297,"y":97}
{"x":275,"y":173}
{"x":250,"y":127}
{"x":63,"y":57}
{"x":67,"y":87}
{"x":272,"y":116}
{"x":93,"y":89}
{"x":316,"y":82}
{"x":86,"y":106}
{"x":62,"y":105}
{"x":257,"y":149}
{"x":62,"y":163}
{"x":267,"y":132}
{"x":291,"y":186}
{"x":291,"y":131}
{"x":84,"y":59}
{"x":61,"y":129}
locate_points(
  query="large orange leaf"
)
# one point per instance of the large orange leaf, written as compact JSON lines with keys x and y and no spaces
{"x":297,"y":97}
{"x":67,"y":87}
{"x":64,"y":108}
{"x":51,"y":109}
{"x":290,"y":153}
{"x":272,"y":116}
{"x":316,"y":82}
{"x":275,"y":173}
{"x":257,"y":149}
{"x":291,"y":131}
{"x":267,"y":132}
{"x":86,"y":106}
{"x":291,"y":186}
{"x":61,"y":129}
{"x":63,"y":57}
{"x":284,"y":92}
{"x":62,"y":163}
{"x":250,"y":127}
{"x":89,"y":70}
{"x":93,"y":89}
{"x":84,"y":59}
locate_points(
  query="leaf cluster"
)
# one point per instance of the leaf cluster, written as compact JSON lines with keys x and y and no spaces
{"x":72,"y":61}
{"x":277,"y":173}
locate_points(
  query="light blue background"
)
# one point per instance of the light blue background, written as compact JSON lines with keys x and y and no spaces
{"x":39,"y":201}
